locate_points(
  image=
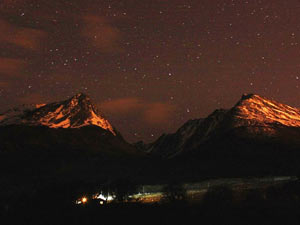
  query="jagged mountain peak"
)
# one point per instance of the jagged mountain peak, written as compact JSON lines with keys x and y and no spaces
{"x":255,"y":108}
{"x":248,"y":95}
{"x":253,"y":117}
{"x":75,"y":112}
{"x":80,"y":97}
{"x":80,"y":100}
{"x":246,"y":98}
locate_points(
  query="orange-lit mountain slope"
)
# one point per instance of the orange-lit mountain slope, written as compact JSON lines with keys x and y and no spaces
{"x":253,"y":117}
{"x":254,"y":109}
{"x":75,"y":112}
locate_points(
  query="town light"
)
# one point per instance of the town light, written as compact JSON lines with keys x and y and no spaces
{"x":84,"y":200}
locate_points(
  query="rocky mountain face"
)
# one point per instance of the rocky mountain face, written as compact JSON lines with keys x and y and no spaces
{"x":256,"y":136}
{"x":253,"y":122}
{"x":75,"y":112}
{"x":172,"y":144}
{"x":262,"y":115}
{"x":70,"y":125}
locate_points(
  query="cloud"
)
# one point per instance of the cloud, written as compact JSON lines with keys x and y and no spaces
{"x":100,"y":33}
{"x":7,"y":2}
{"x":11,"y":67}
{"x":11,"y":4}
{"x":122,"y":105}
{"x":4,"y":84}
{"x":11,"y":72}
{"x":157,"y":113}
{"x":32,"y":98}
{"x":148,"y":112}
{"x":27,"y":38}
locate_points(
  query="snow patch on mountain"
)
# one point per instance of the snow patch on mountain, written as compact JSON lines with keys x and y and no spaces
{"x":256,"y":115}
{"x":75,"y":112}
{"x":256,"y":110}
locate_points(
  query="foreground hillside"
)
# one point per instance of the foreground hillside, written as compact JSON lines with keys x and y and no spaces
{"x":275,"y":204}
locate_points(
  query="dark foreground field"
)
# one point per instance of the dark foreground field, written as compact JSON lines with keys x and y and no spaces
{"x":278,"y":204}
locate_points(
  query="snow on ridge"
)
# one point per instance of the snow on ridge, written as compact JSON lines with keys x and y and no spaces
{"x":62,"y":124}
{"x":39,"y":105}
{"x":73,"y":113}
{"x":94,"y":119}
{"x":262,"y":110}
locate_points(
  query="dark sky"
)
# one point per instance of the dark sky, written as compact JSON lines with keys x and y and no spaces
{"x":149,"y":65}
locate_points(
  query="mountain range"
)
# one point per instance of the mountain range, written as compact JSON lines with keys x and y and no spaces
{"x":254,"y":119}
{"x":255,"y":134}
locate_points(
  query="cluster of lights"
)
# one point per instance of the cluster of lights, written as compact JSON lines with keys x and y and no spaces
{"x":107,"y":198}
{"x":102,"y":199}
{"x":82,"y":200}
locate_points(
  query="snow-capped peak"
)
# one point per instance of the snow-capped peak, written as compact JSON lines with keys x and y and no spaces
{"x":77,"y":111}
{"x":253,"y":107}
{"x":256,"y":115}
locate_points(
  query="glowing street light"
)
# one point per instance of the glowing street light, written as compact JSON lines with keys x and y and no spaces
{"x":84,"y":200}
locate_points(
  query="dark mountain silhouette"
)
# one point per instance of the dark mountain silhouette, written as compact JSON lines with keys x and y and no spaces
{"x":75,"y":112}
{"x":71,"y":125}
{"x":253,"y":117}
{"x":256,"y":136}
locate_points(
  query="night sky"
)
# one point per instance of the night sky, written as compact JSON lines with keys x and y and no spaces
{"x":149,"y":65}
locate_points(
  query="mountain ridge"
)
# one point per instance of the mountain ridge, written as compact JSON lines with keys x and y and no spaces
{"x":240,"y":140}
{"x":257,"y":117}
{"x":75,"y":112}
{"x":72,"y":127}
{"x":263,"y":110}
